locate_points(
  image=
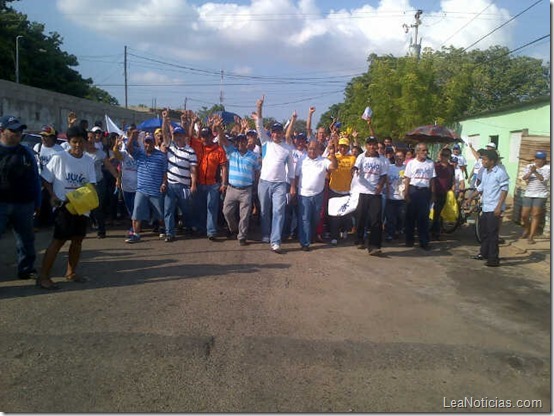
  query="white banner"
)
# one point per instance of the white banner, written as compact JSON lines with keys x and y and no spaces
{"x":111,"y":127}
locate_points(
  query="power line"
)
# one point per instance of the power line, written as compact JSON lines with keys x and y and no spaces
{"x":502,"y":25}
{"x":464,"y":26}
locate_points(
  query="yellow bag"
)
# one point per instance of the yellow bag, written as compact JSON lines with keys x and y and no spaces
{"x":451,"y":211}
{"x":82,"y":200}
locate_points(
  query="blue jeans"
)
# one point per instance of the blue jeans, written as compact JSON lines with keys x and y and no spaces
{"x":21,"y":218}
{"x":273,"y":198}
{"x":206,"y":207}
{"x":176,"y":195}
{"x":395,"y":213}
{"x":129,"y":199}
{"x":309,"y":209}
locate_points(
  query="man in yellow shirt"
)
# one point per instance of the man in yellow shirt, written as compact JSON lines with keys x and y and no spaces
{"x":339,"y":185}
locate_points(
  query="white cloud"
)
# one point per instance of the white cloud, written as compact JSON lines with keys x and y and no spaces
{"x":287,"y":31}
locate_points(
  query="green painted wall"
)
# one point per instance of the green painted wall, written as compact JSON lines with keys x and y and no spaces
{"x":535,"y":118}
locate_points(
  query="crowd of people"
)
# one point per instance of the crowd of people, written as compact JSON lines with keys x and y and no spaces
{"x":201,"y":176}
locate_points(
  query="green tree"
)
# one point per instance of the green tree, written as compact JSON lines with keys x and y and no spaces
{"x":42,"y":63}
{"x":442,"y":87}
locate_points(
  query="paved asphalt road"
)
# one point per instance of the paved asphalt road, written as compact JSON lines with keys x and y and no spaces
{"x":199,"y":326}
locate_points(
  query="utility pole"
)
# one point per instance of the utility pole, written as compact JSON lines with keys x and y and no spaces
{"x":415,"y":46}
{"x":221,"y":91}
{"x":125,"y":73}
{"x":17,"y":58}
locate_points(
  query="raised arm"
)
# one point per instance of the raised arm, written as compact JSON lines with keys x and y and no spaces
{"x":290,"y":128}
{"x":371,"y":130}
{"x":133,"y":135}
{"x":309,"y":131}
{"x":71,"y":119}
{"x":166,"y":129}
{"x":217,"y":126}
{"x":117,"y":148}
{"x":262,"y":134}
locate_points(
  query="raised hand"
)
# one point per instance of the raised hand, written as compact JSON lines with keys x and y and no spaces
{"x":311,"y":110}
{"x":260,"y":102}
{"x":244,"y":125}
{"x":71,"y":118}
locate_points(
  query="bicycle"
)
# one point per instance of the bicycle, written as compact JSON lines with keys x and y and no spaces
{"x":469,"y":212}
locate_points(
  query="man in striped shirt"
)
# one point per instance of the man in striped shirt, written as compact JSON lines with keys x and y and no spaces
{"x":181,"y":177}
{"x":151,"y":182}
{"x":243,"y":168}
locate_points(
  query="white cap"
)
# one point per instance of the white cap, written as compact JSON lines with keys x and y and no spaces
{"x":95,"y":129}
{"x":491,"y":144}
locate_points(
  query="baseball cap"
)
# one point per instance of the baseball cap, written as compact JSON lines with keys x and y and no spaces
{"x":240,"y":137}
{"x":251,"y":133}
{"x":177,"y":130}
{"x":301,"y":136}
{"x":11,"y":123}
{"x":456,"y":146}
{"x":389,"y":149}
{"x":96,"y":129}
{"x":148,"y":138}
{"x":491,"y":144}
{"x":276,"y":127}
{"x":344,"y":142}
{"x":371,"y":139}
{"x":540,"y":154}
{"x":158,"y":130}
{"x":47,"y":130}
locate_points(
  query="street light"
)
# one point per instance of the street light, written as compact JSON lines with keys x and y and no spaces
{"x":17,"y":58}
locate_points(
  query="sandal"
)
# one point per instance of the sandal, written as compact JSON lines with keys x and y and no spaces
{"x":76,"y":278}
{"x":52,"y":286}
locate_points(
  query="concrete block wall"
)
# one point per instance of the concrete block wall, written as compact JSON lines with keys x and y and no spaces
{"x":36,"y":107}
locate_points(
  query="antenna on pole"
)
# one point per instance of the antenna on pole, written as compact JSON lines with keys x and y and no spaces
{"x":125,"y":73}
{"x":415,"y":44}
{"x":221,"y":90}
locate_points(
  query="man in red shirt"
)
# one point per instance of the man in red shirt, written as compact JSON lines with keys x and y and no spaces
{"x":212,"y":175}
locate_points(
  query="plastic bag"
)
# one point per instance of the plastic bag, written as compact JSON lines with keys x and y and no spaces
{"x":82,"y":200}
{"x":450,"y":211}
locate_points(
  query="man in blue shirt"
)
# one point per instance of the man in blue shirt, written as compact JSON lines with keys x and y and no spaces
{"x":20,"y":194}
{"x":243,"y":169}
{"x":151,"y":182}
{"x":494,"y":189}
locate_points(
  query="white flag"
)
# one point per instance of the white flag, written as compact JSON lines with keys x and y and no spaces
{"x":111,"y":127}
{"x":367,"y":113}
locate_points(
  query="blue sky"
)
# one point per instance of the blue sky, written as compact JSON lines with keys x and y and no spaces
{"x":297,"y":53}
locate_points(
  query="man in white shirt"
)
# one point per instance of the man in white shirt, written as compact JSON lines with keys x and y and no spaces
{"x":272,"y":187}
{"x":311,"y":171}
{"x":419,"y":192}
{"x":371,"y":171}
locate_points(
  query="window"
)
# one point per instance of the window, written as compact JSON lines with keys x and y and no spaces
{"x":494,"y":139}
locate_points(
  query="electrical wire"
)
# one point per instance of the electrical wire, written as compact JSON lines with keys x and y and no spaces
{"x":464,"y":26}
{"x":502,"y":25}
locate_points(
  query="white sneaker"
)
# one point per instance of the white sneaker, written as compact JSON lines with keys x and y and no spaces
{"x":344,"y":235}
{"x":276,"y":248}
{"x":334,"y":242}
